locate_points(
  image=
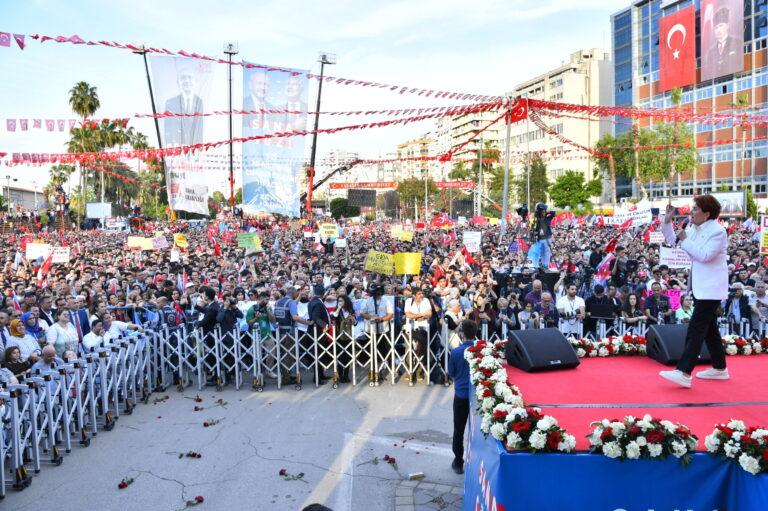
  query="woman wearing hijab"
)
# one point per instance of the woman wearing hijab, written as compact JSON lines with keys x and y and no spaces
{"x":32,"y":324}
{"x":28,"y":345}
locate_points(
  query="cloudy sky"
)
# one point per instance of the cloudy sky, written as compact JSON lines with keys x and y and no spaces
{"x":480,"y":47}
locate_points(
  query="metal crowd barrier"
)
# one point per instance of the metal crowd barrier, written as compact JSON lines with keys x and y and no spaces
{"x":68,"y":404}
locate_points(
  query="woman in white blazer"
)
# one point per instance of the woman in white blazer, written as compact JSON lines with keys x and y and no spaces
{"x":706,"y":243}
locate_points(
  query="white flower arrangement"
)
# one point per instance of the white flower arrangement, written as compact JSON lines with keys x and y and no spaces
{"x":735,"y":441}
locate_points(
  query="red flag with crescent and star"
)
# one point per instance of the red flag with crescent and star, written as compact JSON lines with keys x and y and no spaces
{"x":677,"y":49}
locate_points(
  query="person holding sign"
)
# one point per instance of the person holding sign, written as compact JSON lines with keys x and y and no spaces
{"x":706,"y":242}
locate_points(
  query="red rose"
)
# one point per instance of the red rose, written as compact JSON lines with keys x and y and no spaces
{"x":283,"y":472}
{"x":499,"y":415}
{"x":606,"y":434}
{"x":725,"y":430}
{"x":655,"y":436}
{"x":487,"y":393}
{"x":197,"y":408}
{"x":683,"y":433}
{"x":740,"y":342}
{"x":386,"y":457}
{"x":534,"y":413}
{"x":635,"y":430}
{"x":553,"y":439}
{"x":519,"y":427}
{"x":391,"y":460}
{"x":122,"y":485}
{"x":199,"y":499}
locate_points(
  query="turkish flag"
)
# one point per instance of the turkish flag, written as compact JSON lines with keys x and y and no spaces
{"x":677,"y":49}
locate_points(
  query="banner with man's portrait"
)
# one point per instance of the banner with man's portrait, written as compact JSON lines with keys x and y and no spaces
{"x":722,"y":38}
{"x":272,"y":166}
{"x":182,"y":86}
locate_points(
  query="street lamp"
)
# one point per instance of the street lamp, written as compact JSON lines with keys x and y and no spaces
{"x":34,"y":187}
{"x":8,"y":193}
{"x":231,"y":49}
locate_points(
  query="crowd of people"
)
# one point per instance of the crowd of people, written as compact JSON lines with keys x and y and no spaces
{"x":303,"y":282}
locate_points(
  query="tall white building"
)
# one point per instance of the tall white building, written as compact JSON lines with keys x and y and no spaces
{"x":586,"y":78}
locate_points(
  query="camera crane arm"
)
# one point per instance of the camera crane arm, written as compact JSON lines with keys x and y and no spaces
{"x":317,"y":184}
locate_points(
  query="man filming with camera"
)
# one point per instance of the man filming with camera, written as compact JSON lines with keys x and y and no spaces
{"x":572,"y":312}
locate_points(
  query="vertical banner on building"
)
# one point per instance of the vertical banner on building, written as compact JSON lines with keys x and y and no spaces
{"x":722,"y":38}
{"x":677,"y":49}
{"x":182,"y":86}
{"x":271,"y":167}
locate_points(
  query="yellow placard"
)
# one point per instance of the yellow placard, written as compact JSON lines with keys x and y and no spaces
{"x":379,"y":262}
{"x":406,"y":236}
{"x":396,"y":231}
{"x":180,"y":240}
{"x":329,"y":231}
{"x":407,"y":263}
{"x":763,"y":243}
{"x":492,"y":220}
{"x":140,"y":242}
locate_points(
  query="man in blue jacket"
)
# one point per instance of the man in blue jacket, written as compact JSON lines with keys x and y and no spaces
{"x":458,"y":370}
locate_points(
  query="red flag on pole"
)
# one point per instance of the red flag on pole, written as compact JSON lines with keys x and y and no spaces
{"x":677,"y":49}
{"x":626,"y":225}
{"x":44,"y":269}
{"x":611,"y":246}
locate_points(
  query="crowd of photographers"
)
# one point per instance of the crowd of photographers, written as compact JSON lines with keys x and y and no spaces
{"x":305,"y":284}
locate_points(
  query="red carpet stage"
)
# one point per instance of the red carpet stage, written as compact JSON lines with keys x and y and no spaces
{"x":598,"y":385}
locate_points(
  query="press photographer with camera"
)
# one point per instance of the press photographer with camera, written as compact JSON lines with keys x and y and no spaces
{"x":572,"y":311}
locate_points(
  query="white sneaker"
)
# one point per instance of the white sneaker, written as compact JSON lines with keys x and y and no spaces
{"x":713,"y":374}
{"x":678,"y":377}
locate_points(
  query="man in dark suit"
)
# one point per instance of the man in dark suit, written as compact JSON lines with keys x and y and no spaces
{"x":725,"y":53}
{"x":210,"y":310}
{"x":256,"y":99}
{"x":78,"y":317}
{"x":184,"y":130}
{"x":319,"y":319}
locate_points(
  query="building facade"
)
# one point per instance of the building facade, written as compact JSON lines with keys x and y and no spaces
{"x":731,"y":166}
{"x":421,"y":147}
{"x":586,"y":78}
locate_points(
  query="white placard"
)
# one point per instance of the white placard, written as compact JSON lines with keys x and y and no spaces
{"x":674,"y":258}
{"x":60,"y":255}
{"x":657,"y":237}
{"x":309,"y":234}
{"x":472,"y":240}
{"x":98,"y":210}
{"x":462,"y":220}
{"x":340,"y":243}
{"x":175,"y":256}
{"x":36,"y":250}
{"x":639,"y":213}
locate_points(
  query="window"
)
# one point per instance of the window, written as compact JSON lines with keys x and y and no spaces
{"x":743,"y":84}
{"x":556,"y":97}
{"x":704,"y":93}
{"x":725,"y":88}
{"x":556,"y":83}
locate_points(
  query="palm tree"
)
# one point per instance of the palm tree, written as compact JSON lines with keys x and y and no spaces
{"x":84,"y":102}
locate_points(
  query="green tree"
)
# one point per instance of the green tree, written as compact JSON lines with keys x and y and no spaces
{"x":340,"y":207}
{"x":741,"y":104}
{"x":752,"y":210}
{"x":572,"y":190}
{"x":411,"y":192}
{"x":84,"y":101}
{"x":538,"y":178}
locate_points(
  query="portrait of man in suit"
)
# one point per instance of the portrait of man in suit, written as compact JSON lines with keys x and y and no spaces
{"x":295,"y":102}
{"x":725,"y":51}
{"x":256,"y":99}
{"x":185,"y":129}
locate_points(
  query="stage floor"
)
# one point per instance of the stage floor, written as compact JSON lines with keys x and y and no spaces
{"x":598,"y":384}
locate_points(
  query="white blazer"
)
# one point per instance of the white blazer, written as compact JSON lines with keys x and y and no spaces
{"x":707,"y":246}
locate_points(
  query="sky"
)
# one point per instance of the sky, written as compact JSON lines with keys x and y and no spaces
{"x":476,"y":47}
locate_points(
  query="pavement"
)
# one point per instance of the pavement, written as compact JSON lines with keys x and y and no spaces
{"x":335,"y":438}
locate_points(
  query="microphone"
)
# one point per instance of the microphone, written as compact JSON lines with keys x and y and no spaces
{"x":685,"y":224}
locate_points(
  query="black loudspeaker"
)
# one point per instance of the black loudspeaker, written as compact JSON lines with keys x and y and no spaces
{"x":666,"y":343}
{"x":542,"y":349}
{"x":549,"y":279}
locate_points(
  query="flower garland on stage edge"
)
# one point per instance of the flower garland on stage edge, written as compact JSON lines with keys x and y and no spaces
{"x":736,"y":442}
{"x":631,"y":345}
{"x":646,"y":438}
{"x":501,"y":408}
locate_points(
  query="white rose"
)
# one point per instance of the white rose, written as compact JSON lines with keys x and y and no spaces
{"x":759,"y":434}
{"x":618,"y":427}
{"x":545,"y":423}
{"x":750,"y":464}
{"x":488,"y":404}
{"x":641,"y":441}
{"x":485,"y":424}
{"x":731,"y":449}
{"x":671,"y":427}
{"x":606,"y":423}
{"x":629,"y":419}
{"x":603,"y":352}
{"x":580,"y":353}
{"x":513,"y":440}
{"x":594,"y":438}
{"x":757,"y":347}
{"x":735,"y":424}
{"x":736,"y":436}
{"x":633,"y":450}
{"x":647,"y":417}
{"x":655,"y":450}
{"x":499,"y":430}
{"x":593,"y":353}
{"x":747,"y":350}
{"x":612,"y":450}
{"x":679,"y":449}
{"x":731,"y":349}
{"x":568,"y":444}
{"x":538,"y":440}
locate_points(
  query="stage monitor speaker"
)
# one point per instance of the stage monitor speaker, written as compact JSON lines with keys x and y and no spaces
{"x":361,"y":198}
{"x":544,"y":349}
{"x":666,"y":343}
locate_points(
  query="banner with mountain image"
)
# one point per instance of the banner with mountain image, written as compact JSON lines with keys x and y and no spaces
{"x":272,"y":167}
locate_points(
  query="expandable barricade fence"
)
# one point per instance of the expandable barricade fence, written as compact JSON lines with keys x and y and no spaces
{"x":69,"y":403}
